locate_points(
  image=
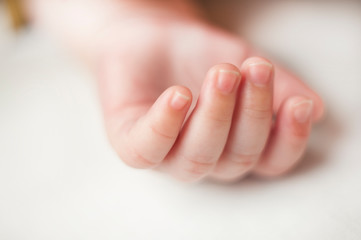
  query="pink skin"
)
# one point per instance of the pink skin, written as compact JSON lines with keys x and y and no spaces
{"x":163,"y":111}
{"x":288,"y":139}
{"x":205,"y":133}
{"x":252,"y":121}
{"x":226,"y":129}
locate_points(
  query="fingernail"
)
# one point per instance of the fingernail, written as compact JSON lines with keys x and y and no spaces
{"x":179,"y":101}
{"x":260,"y":73}
{"x":302,"y":111}
{"x":227,"y":80}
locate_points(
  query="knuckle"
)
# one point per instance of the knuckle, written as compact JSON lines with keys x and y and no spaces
{"x":196,"y":170}
{"x":198,"y":166}
{"x":199,"y":159}
{"x":258,"y":113}
{"x":160,"y":132}
{"x":219,"y":117}
{"x":244,"y":159}
{"x":135,"y":159}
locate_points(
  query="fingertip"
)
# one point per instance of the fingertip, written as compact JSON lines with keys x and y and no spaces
{"x":259,"y":71}
{"x":225,"y":66}
{"x":224,"y":79}
{"x":181,"y":97}
{"x":299,"y":115}
{"x":319,"y":110}
{"x":252,"y":61}
{"x":173,"y":102}
{"x":167,"y":114}
{"x":318,"y":107}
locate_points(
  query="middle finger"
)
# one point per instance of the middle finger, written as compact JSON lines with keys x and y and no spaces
{"x":202,"y":140}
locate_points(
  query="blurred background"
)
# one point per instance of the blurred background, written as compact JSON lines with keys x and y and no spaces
{"x":59,"y":178}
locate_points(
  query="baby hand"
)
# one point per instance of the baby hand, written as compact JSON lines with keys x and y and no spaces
{"x":160,"y":111}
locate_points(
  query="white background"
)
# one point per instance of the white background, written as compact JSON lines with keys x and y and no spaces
{"x":59,"y":178}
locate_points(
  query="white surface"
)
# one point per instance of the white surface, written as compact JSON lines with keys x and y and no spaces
{"x":59,"y":179}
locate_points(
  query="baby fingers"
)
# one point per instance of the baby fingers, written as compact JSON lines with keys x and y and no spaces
{"x":252,"y":121}
{"x":144,"y":142}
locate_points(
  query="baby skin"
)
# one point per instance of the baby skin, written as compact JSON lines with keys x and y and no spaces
{"x":183,"y":96}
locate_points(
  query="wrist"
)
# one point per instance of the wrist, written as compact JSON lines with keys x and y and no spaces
{"x":82,"y":26}
{"x":140,"y":14}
